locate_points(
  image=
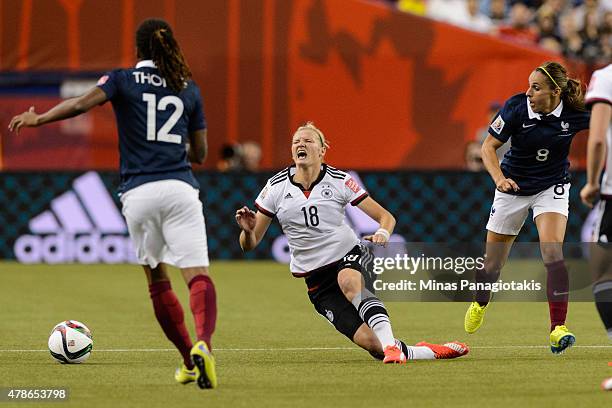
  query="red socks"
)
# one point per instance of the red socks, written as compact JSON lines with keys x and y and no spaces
{"x":557,"y":291}
{"x":203,"y":302}
{"x":169,"y":314}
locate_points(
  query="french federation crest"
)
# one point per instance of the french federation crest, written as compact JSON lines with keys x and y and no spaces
{"x":564,"y":126}
{"x":330,"y":315}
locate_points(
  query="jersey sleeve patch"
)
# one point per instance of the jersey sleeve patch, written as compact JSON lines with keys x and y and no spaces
{"x":266,"y":202}
{"x":108,"y":83}
{"x":102,"y":80}
{"x":264,"y":193}
{"x":498,"y":124}
{"x":352,"y":185}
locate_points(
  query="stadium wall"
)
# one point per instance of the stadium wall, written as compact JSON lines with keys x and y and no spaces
{"x":409,"y":90}
{"x":64,"y":217}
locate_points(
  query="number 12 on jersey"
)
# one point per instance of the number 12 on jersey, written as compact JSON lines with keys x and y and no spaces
{"x":163,"y":135}
{"x":311,"y":215}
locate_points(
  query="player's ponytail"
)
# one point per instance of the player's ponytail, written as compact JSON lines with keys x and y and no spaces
{"x":572,"y":92}
{"x":155,"y":41}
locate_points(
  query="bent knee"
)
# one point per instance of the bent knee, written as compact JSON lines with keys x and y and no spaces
{"x":349,"y":281}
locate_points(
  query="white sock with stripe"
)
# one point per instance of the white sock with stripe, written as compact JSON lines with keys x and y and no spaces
{"x":372,"y":311}
{"x":416,"y":352}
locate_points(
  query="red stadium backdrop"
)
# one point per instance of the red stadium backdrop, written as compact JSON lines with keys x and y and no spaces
{"x":390,"y":90}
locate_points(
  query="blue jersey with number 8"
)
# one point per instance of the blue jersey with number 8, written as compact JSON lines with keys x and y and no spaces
{"x":154,"y":124}
{"x":540,"y":144}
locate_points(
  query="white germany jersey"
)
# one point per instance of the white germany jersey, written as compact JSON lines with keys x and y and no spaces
{"x":313,"y":221}
{"x":600,"y":90}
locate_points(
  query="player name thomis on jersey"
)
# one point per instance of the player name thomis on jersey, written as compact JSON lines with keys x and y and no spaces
{"x":148,"y":78}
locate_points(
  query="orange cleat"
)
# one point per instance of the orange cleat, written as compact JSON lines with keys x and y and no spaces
{"x":447,"y":350}
{"x":394,"y":355}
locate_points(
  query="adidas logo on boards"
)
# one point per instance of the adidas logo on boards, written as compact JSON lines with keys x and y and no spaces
{"x":83,"y":226}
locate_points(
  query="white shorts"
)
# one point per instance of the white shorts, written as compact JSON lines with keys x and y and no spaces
{"x":166,"y":224}
{"x":509,"y":212}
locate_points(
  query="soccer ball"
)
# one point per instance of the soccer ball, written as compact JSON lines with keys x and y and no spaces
{"x":70,"y":342}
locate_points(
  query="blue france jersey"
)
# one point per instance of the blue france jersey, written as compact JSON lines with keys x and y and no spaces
{"x":153,"y":123}
{"x":538,"y":156}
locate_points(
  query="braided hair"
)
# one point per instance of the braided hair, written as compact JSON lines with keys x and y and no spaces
{"x":155,"y":41}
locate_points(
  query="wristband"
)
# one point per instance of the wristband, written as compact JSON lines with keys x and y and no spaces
{"x":383,"y":232}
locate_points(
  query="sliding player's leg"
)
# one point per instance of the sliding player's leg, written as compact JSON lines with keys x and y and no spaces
{"x":376,"y":333}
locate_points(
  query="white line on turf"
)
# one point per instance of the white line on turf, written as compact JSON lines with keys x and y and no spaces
{"x":288,"y":349}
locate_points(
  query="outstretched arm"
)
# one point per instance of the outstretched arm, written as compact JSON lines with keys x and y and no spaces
{"x":65,"y":109}
{"x":253,"y":225}
{"x":379,"y":214}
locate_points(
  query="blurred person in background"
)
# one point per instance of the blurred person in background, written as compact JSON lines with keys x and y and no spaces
{"x":592,"y":50}
{"x":548,"y":37}
{"x":599,"y":156}
{"x":551,"y":44}
{"x":519,"y":28}
{"x":251,"y":156}
{"x":309,"y":199}
{"x":445,"y":10}
{"x":231,"y":158}
{"x":572,"y":40}
{"x":162,"y":130}
{"x":473,"y":19}
{"x":606,"y":38}
{"x":533,"y":176}
{"x":554,"y":8}
{"x":587,"y":6}
{"x":473,"y":156}
{"x":497,"y":11}
{"x":464,"y":13}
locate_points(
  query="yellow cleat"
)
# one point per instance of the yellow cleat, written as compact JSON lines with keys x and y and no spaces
{"x":474,"y":317}
{"x":561,"y":339}
{"x":205,"y":363}
{"x":183,"y":375}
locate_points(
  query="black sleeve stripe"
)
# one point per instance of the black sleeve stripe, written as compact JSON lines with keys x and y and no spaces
{"x":279,"y":180}
{"x":335,"y":171}
{"x":336,"y":176}
{"x":359,"y":199}
{"x":264,"y":211}
{"x":279,"y":175}
{"x":283,"y":171}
